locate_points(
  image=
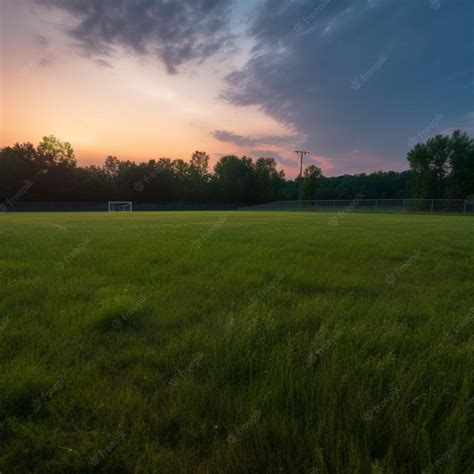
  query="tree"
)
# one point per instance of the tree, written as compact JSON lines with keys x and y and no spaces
{"x":18,"y":163}
{"x":199,"y":177}
{"x":312,"y":175}
{"x":234,"y":179}
{"x":461,"y":161}
{"x":443,"y":167}
{"x":54,"y":152}
{"x":111,"y":166}
{"x":199,"y":163}
{"x":269,"y":181}
{"x":429,"y":167}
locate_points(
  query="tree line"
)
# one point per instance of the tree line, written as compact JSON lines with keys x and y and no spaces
{"x":443,"y":167}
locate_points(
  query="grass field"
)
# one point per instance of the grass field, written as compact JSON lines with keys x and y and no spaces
{"x":236,"y":342}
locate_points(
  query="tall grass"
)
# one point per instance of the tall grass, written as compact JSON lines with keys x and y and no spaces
{"x":236,"y":342}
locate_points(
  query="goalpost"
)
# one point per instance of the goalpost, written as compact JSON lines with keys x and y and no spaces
{"x":120,"y":206}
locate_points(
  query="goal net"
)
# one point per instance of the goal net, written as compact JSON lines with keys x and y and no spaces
{"x":120,"y":206}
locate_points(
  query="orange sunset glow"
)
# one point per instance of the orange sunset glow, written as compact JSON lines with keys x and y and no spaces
{"x":221,"y":77}
{"x":133,"y":109}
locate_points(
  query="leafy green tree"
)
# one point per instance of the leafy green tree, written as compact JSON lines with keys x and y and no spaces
{"x":199,"y":177}
{"x":420,"y":171}
{"x":54,"y":152}
{"x":443,"y":167}
{"x":234,"y":179}
{"x":18,"y":163}
{"x":461,"y":161}
{"x":269,"y":181}
{"x":199,"y":163}
{"x":429,"y":166}
{"x":312,"y":175}
{"x":111,"y":166}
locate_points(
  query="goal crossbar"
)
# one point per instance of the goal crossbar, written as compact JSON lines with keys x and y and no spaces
{"x":120,"y":206}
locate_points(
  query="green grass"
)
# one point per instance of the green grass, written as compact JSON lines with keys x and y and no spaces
{"x":236,"y":342}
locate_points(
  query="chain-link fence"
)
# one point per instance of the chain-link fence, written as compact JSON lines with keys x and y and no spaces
{"x":459,"y":206}
{"x":103,"y":206}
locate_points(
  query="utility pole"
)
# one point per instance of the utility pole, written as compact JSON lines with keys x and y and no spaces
{"x":302,"y":154}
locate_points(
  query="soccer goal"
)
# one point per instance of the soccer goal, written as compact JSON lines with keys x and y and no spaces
{"x":120,"y":206}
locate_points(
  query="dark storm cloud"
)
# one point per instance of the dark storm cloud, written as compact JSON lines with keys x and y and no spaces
{"x":359,"y":74}
{"x":175,"y":31}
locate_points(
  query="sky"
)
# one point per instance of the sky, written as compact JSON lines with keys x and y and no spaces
{"x":355,"y":82}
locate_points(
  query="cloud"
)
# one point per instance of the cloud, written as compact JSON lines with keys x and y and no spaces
{"x":280,"y":147}
{"x":45,"y":61}
{"x":42,"y":41}
{"x":174,"y":31}
{"x":357,"y":74}
{"x":348,"y":74}
{"x":44,"y":57}
{"x":252,"y":141}
{"x":103,"y":63}
{"x":287,"y":162}
{"x":283,"y":152}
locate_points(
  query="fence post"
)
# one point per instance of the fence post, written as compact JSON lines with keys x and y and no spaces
{"x":432,"y":206}
{"x":376,"y":204}
{"x":403,"y":210}
{"x":465,"y":206}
